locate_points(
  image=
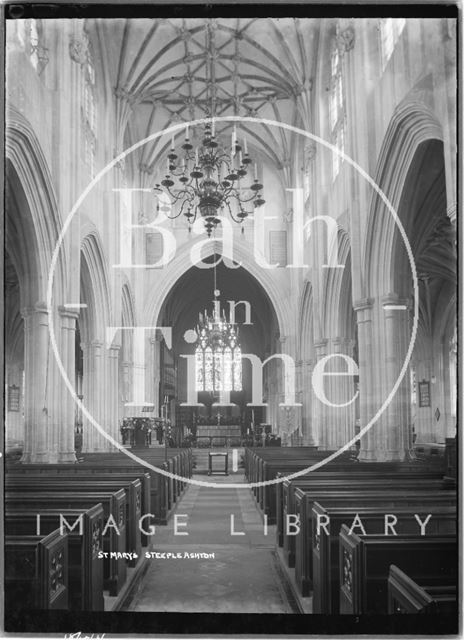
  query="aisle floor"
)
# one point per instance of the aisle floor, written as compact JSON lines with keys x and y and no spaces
{"x":243,"y":576}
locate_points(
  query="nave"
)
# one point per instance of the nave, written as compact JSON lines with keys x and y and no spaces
{"x":242,"y":577}
{"x":229,"y":280}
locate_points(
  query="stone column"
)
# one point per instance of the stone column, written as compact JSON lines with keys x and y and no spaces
{"x":65,"y":429}
{"x":341,"y":419}
{"x":319,"y":409}
{"x":395,"y":422}
{"x":87,"y":397}
{"x":156,"y":345}
{"x":113,"y":393}
{"x":308,"y":402}
{"x":95,"y":393}
{"x":14,"y":427}
{"x":36,"y":384}
{"x":367,"y":376}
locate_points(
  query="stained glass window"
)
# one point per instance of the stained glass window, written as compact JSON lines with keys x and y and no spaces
{"x":218,"y":357}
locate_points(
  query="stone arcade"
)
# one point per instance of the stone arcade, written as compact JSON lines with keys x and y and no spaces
{"x":309,"y":333}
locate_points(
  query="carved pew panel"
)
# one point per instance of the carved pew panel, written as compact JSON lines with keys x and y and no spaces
{"x":114,"y":504}
{"x":372,"y":516}
{"x":406,"y":596}
{"x":36,"y":572}
{"x":132,"y":488}
{"x":365,"y":562}
{"x":85,"y":571}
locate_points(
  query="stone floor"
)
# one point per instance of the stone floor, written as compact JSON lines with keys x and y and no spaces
{"x":242,"y":577}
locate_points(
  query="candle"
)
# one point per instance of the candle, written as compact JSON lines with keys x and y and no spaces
{"x":213,"y":128}
{"x":187,"y":132}
{"x":256,"y":172}
{"x":240,"y":158}
{"x":183,"y":165}
{"x":172,"y":142}
{"x":196,"y":157}
{"x":167,"y":165}
{"x":245,"y":146}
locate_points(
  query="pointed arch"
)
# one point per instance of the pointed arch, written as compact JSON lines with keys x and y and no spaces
{"x":412,"y":124}
{"x":33,"y":234}
{"x":182,"y":263}
{"x":305,"y":323}
{"x":95,"y":291}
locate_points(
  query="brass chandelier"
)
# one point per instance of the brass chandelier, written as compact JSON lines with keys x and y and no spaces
{"x":208,"y":181}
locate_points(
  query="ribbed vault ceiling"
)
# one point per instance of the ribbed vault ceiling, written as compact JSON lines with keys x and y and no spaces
{"x":168,"y":71}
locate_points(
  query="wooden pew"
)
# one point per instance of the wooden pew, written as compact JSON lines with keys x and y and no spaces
{"x":36,"y":572}
{"x":340,"y":477}
{"x":165,"y":490}
{"x":285,"y":491}
{"x":133,"y":489}
{"x":372,"y":515}
{"x":85,"y":571}
{"x":359,"y":495}
{"x":406,"y":596}
{"x":95,"y":475}
{"x":113,"y":503}
{"x":285,"y":468}
{"x":365,"y":562}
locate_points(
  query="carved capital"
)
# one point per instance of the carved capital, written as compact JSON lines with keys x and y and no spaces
{"x":78,"y":50}
{"x":363,"y":303}
{"x":310,"y":150}
{"x":346,"y":39}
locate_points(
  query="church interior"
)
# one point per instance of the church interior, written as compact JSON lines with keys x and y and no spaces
{"x":230,"y":280}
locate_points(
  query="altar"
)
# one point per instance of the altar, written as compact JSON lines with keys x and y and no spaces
{"x":214,"y":435}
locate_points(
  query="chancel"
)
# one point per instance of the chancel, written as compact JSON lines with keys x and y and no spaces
{"x":230,"y":321}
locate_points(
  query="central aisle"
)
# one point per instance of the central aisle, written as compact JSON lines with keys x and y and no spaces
{"x":243,"y":576}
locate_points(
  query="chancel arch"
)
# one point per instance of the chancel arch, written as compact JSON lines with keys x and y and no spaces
{"x":243,"y":255}
{"x":257,"y":334}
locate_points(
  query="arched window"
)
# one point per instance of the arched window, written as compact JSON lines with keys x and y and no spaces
{"x":336,"y":107}
{"x":218,"y":357}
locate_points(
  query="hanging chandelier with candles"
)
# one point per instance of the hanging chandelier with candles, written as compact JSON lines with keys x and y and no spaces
{"x":208,"y":181}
